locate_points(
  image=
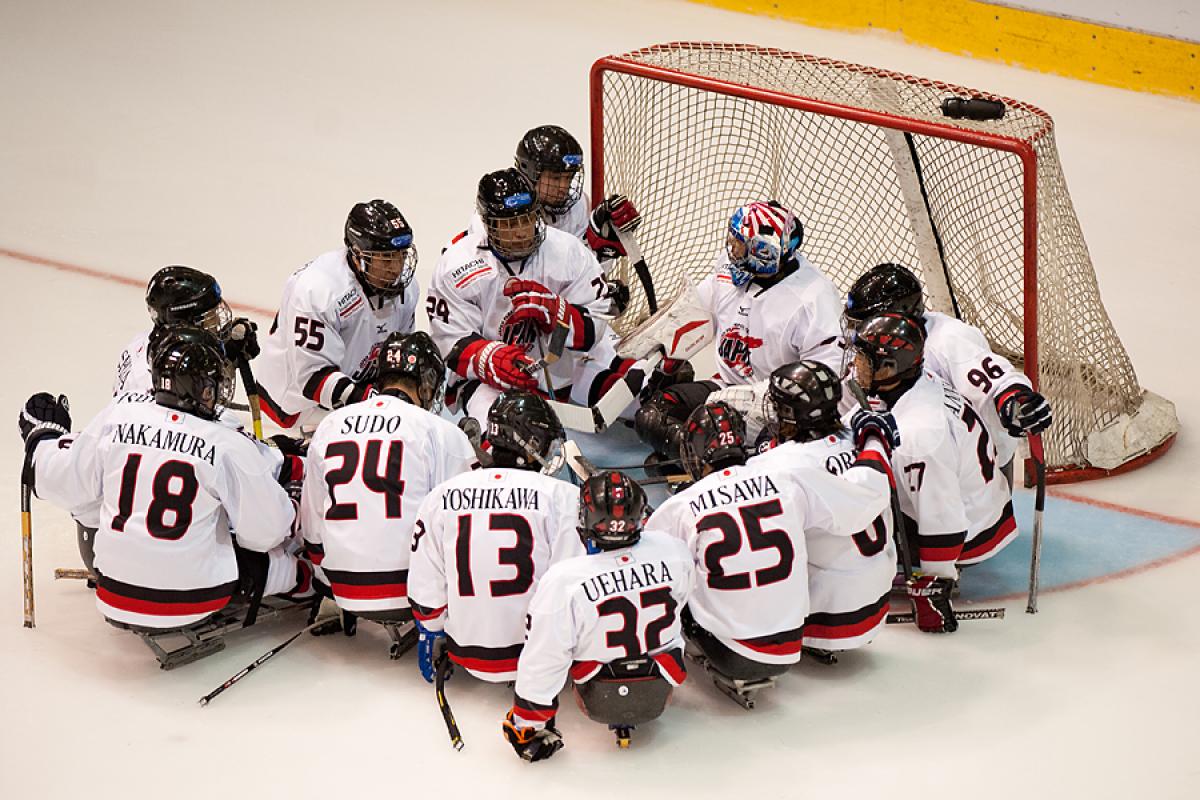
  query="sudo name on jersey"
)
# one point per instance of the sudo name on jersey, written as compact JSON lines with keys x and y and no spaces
{"x":626,"y":578}
{"x":483,"y":498}
{"x":175,"y":441}
{"x":370,"y":423}
{"x":750,"y":488}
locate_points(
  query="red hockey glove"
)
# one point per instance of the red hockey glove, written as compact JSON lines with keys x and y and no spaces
{"x":535,"y":303}
{"x":930,"y":597}
{"x":503,"y":366}
{"x":615,"y":213}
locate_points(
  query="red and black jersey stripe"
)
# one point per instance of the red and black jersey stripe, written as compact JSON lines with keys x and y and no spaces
{"x":846,"y":624}
{"x":315,"y":552}
{"x":424,"y":613}
{"x":484,"y":659}
{"x":368,"y":585}
{"x":986,"y":540}
{"x":583,"y":329}
{"x":463,"y":353}
{"x":876,"y":461}
{"x":534,"y":712}
{"x":783,"y":643}
{"x":608,"y":378}
{"x":316,"y":382}
{"x":670,"y":664}
{"x":940,"y":547}
{"x":272,"y":409}
{"x":163,"y":602}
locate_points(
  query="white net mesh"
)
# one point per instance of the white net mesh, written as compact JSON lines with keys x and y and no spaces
{"x":708,"y":127}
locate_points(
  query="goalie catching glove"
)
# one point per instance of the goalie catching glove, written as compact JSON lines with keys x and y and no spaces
{"x":532,"y":744}
{"x":1023,"y":411}
{"x":615,"y":213}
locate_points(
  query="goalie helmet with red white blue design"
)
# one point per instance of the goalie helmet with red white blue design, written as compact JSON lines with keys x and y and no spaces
{"x":761,"y":237}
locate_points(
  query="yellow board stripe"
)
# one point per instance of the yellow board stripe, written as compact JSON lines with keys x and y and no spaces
{"x":1074,"y":48}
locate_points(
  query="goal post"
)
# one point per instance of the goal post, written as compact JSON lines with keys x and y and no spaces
{"x":877,"y":172}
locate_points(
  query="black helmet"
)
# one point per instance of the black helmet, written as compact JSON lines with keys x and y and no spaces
{"x":179,"y":295}
{"x":524,"y":430}
{"x":190,"y":374}
{"x":508,"y":206}
{"x":887,"y":287}
{"x":889,"y":342}
{"x":414,"y":356}
{"x":549,"y":148}
{"x":713,"y":436}
{"x":612,"y":510}
{"x":805,"y":395}
{"x":381,"y":247}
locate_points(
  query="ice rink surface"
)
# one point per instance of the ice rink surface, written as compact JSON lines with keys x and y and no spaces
{"x":234,"y":137}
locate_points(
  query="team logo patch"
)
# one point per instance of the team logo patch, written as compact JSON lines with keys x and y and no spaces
{"x":470,"y":272}
{"x":350,"y":302}
{"x":735,"y":346}
{"x":518,"y":200}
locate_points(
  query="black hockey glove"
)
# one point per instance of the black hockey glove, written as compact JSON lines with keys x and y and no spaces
{"x":44,"y":416}
{"x":866,"y":425}
{"x":289,"y":446}
{"x":1023,"y":411}
{"x":618,"y":292}
{"x":533,"y":744}
{"x":241,"y":340}
{"x":347,"y":392}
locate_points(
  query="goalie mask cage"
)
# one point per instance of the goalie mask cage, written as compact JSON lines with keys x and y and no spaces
{"x":867,"y":160}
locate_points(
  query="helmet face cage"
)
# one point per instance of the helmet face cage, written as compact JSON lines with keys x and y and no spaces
{"x":389,"y":272}
{"x":560,"y":189}
{"x":179,"y":295}
{"x":804,"y":397}
{"x":714,"y":432}
{"x":515,"y":237}
{"x":551,"y":160}
{"x":882,"y":356}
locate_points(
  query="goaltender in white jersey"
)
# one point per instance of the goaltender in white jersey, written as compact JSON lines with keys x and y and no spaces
{"x":335,"y":313}
{"x":484,"y":539}
{"x":370,"y":465}
{"x":170,"y":483}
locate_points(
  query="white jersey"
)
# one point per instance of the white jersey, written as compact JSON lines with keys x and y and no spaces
{"x":482,"y":541}
{"x":960,"y":355}
{"x":370,"y":465}
{"x":575,"y":220}
{"x":170,"y":486}
{"x":760,"y":329}
{"x":327,"y":331}
{"x":594,"y":609}
{"x":467,"y":307}
{"x":849,"y":577}
{"x":948,"y":478}
{"x":746,"y":528}
{"x":133,"y":366}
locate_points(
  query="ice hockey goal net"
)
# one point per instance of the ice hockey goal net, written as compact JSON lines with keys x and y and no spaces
{"x":878,"y":173}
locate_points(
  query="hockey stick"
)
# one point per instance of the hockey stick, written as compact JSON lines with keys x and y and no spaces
{"x":439,"y":687}
{"x":558,"y":341}
{"x":27,"y":540}
{"x":901,"y":535}
{"x":583,"y":468}
{"x":258,"y":662}
{"x":61,"y":573}
{"x":1038,"y":457}
{"x":251,"y":397}
{"x":977,"y":613}
{"x":633,"y":252}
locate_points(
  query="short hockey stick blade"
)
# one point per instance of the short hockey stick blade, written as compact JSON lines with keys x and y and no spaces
{"x":443,"y":669}
{"x":576,"y":462}
{"x":974,"y":613}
